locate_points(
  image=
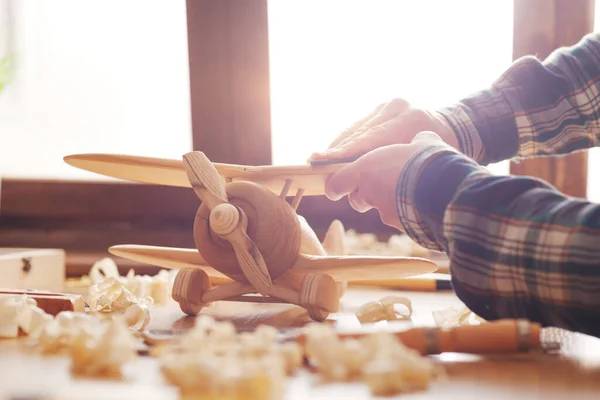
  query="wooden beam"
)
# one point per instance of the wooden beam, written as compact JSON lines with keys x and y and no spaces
{"x":228,"y":45}
{"x":92,"y":216}
{"x":229,"y":80}
{"x":540,"y":27}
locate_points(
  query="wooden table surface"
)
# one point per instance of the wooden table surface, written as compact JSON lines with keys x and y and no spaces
{"x":572,"y":372}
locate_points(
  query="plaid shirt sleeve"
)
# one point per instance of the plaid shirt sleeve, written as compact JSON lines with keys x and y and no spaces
{"x":518,"y":248}
{"x":535,"y":108}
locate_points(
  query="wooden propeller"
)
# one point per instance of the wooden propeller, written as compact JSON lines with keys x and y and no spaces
{"x":226,"y":220}
{"x":252,"y":236}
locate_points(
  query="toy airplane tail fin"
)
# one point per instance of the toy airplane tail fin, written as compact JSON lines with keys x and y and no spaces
{"x":333,"y":242}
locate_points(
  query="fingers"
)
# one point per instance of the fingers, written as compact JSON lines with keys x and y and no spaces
{"x":343,"y":182}
{"x":367,"y":136}
{"x":364,"y":142}
{"x":358,"y":202}
{"x":355,"y":141}
{"x":391,"y":220}
{"x":355,"y":126}
{"x":387,"y":113}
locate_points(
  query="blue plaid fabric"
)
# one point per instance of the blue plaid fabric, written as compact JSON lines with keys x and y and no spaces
{"x":518,"y":248}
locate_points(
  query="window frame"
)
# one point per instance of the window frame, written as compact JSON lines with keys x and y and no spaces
{"x":229,"y":60}
{"x":540,"y":27}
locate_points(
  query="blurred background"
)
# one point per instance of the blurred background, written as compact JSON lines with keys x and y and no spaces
{"x":113,"y":76}
{"x":151,"y":77}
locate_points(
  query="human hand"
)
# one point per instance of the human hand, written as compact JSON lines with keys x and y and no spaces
{"x":395,"y":122}
{"x":370,"y":181}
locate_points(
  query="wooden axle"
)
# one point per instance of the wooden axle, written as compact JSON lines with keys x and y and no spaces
{"x":317,"y":292}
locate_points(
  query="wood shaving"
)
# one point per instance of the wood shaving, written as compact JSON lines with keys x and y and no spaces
{"x":102,"y":352}
{"x":137,"y":316}
{"x":212,"y":359}
{"x":21,"y":314}
{"x":111,"y":296}
{"x":130,"y":295}
{"x":60,"y":331}
{"x":378,"y":359}
{"x":450,"y":317}
{"x":103,"y":269}
{"x":96,"y":346}
{"x":384,"y":310}
{"x":157,"y":287}
{"x":368,"y":244}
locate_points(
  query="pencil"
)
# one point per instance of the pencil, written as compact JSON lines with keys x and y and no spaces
{"x":421,"y":283}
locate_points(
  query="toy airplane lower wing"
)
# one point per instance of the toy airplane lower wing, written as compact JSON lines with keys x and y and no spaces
{"x":340,"y":268}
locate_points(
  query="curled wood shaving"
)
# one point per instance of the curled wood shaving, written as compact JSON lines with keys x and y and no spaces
{"x":21,"y":314}
{"x":111,"y":296}
{"x":384,"y":310}
{"x":103,"y":269}
{"x":378,"y":359}
{"x":103,"y":351}
{"x":213,"y":359}
{"x":128,"y":296}
{"x":60,"y":331}
{"x":452,"y":316}
{"x":157,"y":287}
{"x":137,"y":316}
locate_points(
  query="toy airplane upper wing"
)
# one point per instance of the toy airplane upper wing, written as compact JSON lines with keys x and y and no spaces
{"x":161,"y":171}
{"x":340,"y":268}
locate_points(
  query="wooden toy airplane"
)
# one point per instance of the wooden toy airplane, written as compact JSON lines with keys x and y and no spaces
{"x":247,"y":236}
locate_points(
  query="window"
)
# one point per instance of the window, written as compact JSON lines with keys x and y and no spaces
{"x":126,"y":90}
{"x":90,"y":80}
{"x":332,"y":62}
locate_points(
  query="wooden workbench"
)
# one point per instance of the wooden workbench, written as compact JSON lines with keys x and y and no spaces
{"x":572,"y":373}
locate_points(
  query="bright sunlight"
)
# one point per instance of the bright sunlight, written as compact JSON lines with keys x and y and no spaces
{"x":333,"y":61}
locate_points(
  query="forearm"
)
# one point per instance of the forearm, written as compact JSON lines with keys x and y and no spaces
{"x":535,"y":108}
{"x":517,"y":247}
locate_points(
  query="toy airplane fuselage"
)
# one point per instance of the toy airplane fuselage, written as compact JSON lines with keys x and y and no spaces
{"x":248,"y":238}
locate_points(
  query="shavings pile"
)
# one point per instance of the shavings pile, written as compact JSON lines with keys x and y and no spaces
{"x":129,"y":296}
{"x":97,"y":346}
{"x":384,"y":310}
{"x":368,"y":244}
{"x":452,"y":316}
{"x":215,"y":360}
{"x":21,"y":314}
{"x":157,"y":287}
{"x":111,"y":296}
{"x":378,"y":359}
{"x":101,"y":352}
